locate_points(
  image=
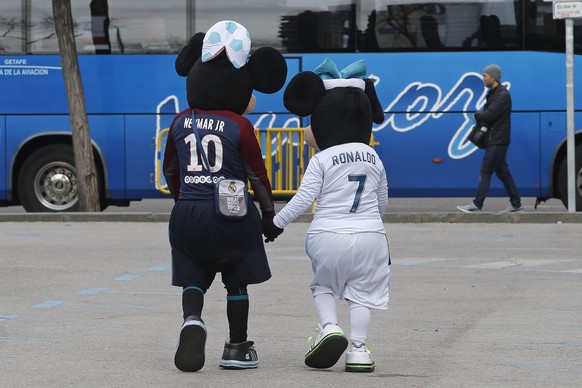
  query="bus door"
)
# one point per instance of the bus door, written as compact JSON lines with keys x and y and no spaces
{"x":4,"y":163}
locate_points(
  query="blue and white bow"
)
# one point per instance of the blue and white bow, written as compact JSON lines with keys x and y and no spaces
{"x":352,"y":75}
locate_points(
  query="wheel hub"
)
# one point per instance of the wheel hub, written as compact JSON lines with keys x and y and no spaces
{"x":58,"y":189}
{"x":58,"y":185}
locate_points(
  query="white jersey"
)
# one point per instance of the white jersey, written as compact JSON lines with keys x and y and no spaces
{"x":349,"y":184}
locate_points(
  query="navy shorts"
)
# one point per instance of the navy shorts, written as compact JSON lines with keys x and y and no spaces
{"x":204,"y":244}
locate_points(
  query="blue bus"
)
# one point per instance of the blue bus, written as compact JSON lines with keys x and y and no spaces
{"x":426,"y":58}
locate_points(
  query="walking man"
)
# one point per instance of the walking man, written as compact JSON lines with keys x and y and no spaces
{"x":496,"y":115}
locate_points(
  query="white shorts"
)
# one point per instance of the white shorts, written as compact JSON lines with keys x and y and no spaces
{"x":351,"y":266}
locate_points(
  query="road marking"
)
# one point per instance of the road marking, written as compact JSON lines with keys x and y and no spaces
{"x":554,"y":343}
{"x":145,"y":293}
{"x":53,"y":303}
{"x":419,"y":260}
{"x":159,"y":267}
{"x":7,"y":234}
{"x":541,"y":366}
{"x":31,"y":339}
{"x":85,"y":321}
{"x":49,"y":303}
{"x":560,"y":326}
{"x":512,"y":263}
{"x":92,"y":291}
{"x":573,"y":310}
{"x":128,"y":277}
{"x":120,"y":306}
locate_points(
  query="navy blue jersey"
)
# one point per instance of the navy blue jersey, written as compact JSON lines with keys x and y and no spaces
{"x":231,"y":147}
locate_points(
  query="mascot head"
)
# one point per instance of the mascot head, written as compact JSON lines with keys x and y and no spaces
{"x":222,"y":74}
{"x":342,"y":104}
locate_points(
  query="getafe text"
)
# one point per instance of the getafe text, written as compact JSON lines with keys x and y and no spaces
{"x":350,"y":157}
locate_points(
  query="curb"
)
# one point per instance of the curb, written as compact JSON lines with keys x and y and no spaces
{"x":416,"y":218}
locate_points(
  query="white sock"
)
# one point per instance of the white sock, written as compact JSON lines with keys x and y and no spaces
{"x":326,"y":308}
{"x":359,"y":323}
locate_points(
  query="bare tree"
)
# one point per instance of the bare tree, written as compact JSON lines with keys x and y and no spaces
{"x":82,"y":148}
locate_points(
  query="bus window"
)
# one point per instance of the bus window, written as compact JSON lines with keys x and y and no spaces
{"x":329,"y":28}
{"x":11,"y":31}
{"x":104,"y":26}
{"x":543,"y":32}
{"x":407,"y":25}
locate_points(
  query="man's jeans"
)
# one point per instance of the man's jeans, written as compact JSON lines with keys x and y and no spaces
{"x":495,"y":161}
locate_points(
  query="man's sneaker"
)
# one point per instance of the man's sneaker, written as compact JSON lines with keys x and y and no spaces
{"x":326,"y":348}
{"x":190,"y":351}
{"x":359,"y":359}
{"x":470,"y":208}
{"x":242,"y":355}
{"x":512,"y":209}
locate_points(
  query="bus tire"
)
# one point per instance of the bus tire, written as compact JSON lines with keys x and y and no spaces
{"x":563,"y":179}
{"x":47,"y":181}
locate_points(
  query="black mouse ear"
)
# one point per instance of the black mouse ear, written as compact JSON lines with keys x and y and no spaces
{"x":377,"y":111}
{"x":189,"y":54}
{"x":268,"y":70}
{"x":303,"y":93}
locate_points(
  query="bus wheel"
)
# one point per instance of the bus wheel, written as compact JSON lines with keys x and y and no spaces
{"x":563,"y":179}
{"x":48,"y":180}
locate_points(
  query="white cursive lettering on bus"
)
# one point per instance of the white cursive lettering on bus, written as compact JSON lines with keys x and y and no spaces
{"x":424,"y":101}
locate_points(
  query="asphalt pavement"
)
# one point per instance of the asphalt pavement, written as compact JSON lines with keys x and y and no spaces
{"x":89,"y":304}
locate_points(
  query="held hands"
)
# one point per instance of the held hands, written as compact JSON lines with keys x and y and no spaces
{"x":270,"y":231}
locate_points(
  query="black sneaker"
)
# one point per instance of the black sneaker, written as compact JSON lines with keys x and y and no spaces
{"x":239,"y":356}
{"x":190,"y":351}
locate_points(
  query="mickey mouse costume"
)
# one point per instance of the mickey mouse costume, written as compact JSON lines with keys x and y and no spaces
{"x":346,"y":240}
{"x":219,"y":86}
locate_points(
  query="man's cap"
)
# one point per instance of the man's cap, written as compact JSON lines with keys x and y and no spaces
{"x":494,"y":71}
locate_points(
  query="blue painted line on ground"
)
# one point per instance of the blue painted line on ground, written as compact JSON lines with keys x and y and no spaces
{"x":128,"y":277}
{"x":91,"y":321}
{"x":7,"y":317}
{"x":541,"y":366}
{"x":504,"y":269}
{"x":145,"y":293}
{"x":496,"y":236}
{"x":53,"y":303}
{"x":554,"y":343}
{"x":159,"y":267}
{"x":558,"y":326}
{"x":31,"y":339}
{"x":92,"y":291}
{"x":7,"y":234}
{"x":49,"y":303}
{"x":121,"y":306}
{"x":573,"y":310}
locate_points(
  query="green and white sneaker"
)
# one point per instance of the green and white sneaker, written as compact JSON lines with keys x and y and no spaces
{"x":326,"y":348}
{"x":359,"y":359}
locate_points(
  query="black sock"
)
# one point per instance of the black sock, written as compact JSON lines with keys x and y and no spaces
{"x":192,"y":302}
{"x":237,"y":311}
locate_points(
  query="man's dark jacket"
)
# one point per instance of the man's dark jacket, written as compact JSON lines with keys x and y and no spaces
{"x":496,"y":115}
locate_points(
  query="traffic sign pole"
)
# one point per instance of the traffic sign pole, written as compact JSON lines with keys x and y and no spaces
{"x":570,"y":148}
{"x":564,"y":9}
